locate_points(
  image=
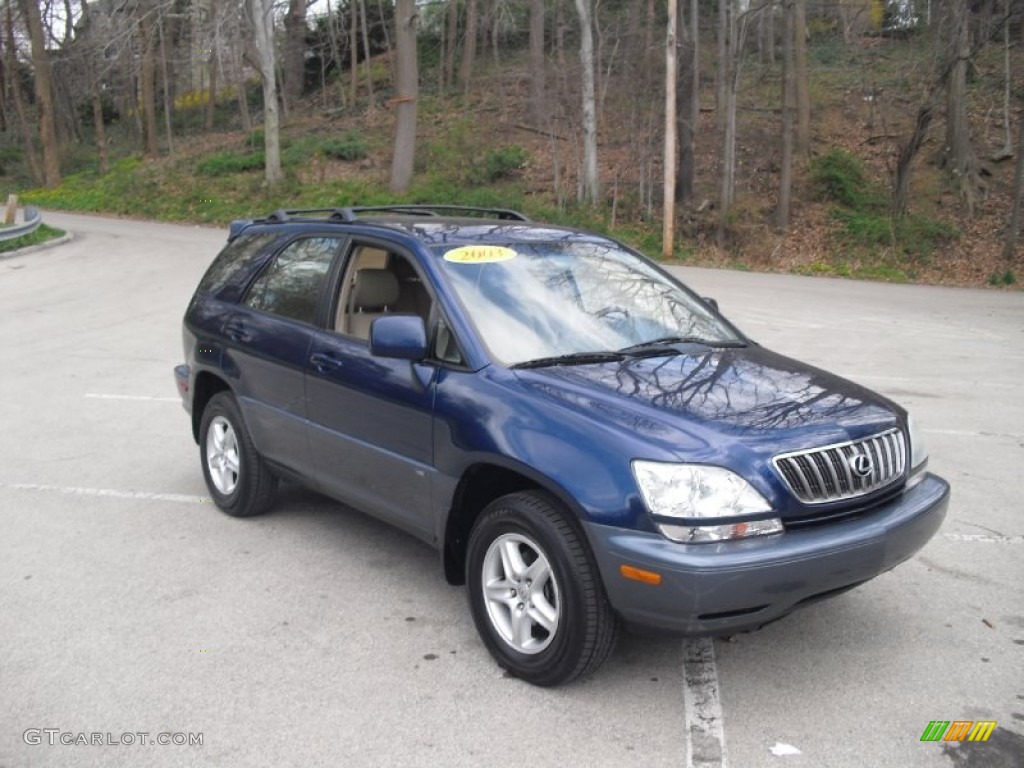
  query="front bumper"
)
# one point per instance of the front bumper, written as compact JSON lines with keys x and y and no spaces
{"x":713,"y":589}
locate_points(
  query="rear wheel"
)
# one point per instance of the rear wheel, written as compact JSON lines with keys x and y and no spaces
{"x":239,"y":481}
{"x":535,"y":594}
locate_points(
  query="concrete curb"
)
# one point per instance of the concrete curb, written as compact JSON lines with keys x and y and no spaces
{"x":65,"y":238}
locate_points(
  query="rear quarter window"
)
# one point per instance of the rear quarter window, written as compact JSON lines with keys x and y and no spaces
{"x":231,"y":259}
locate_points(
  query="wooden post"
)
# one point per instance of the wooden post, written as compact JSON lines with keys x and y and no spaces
{"x":12,"y":210}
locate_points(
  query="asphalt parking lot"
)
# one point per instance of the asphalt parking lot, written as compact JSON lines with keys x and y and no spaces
{"x":316,"y":636}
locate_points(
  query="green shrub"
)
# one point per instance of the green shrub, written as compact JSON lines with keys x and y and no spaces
{"x":351,"y":146}
{"x":838,"y":175}
{"x":254,"y":139}
{"x":224,"y":163}
{"x":1002,"y":278}
{"x":497,"y":164}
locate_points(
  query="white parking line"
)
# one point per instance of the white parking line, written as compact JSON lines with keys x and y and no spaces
{"x":705,"y":734}
{"x":984,"y":538}
{"x":99,"y":396}
{"x":179,"y":498}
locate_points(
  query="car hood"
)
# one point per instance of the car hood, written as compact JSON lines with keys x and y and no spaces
{"x":761,"y":399}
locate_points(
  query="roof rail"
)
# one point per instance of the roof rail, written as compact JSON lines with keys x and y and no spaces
{"x":503,"y":214}
{"x":282,"y":215}
{"x":352,"y":213}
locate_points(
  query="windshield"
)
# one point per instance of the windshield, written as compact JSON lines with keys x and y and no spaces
{"x":533,"y":301}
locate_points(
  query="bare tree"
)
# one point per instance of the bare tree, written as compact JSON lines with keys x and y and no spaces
{"x":948,"y":61}
{"x":14,"y":87}
{"x":213,"y":61}
{"x":367,"y":64}
{"x":591,"y":187}
{"x":789,"y":91}
{"x":1013,"y":230}
{"x":294,"y":51}
{"x":451,"y":27}
{"x":406,"y":96}
{"x":689,"y":96}
{"x":468,"y":45}
{"x":537,"y":61}
{"x":802,"y":95}
{"x":262,"y":18}
{"x":238,"y":70}
{"x":669,"y":212}
{"x":958,"y":154}
{"x":147,"y":78}
{"x":44,"y":92}
{"x":92,"y":74}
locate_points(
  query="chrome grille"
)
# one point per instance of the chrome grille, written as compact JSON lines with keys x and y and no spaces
{"x":831,"y":473}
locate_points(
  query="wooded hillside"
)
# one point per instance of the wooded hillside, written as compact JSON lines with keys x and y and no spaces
{"x":859,"y":138}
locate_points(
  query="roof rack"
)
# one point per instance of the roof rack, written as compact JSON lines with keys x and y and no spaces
{"x":353,"y":213}
{"x":503,"y":214}
{"x":282,"y":215}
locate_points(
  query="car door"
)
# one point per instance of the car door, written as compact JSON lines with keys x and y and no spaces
{"x":370,"y":418}
{"x":267,"y":339}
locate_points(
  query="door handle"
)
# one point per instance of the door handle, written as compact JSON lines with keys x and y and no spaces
{"x":324,"y":362}
{"x":236,"y":331}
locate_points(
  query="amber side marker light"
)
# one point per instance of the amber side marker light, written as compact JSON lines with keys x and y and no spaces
{"x":638,"y":574}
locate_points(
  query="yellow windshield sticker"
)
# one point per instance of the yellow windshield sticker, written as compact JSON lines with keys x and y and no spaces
{"x":479,"y":254}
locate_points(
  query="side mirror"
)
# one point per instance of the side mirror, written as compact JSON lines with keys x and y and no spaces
{"x":403,"y":337}
{"x":713,"y":303}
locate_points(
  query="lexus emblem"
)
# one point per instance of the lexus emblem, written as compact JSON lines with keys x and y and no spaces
{"x":861,"y":465}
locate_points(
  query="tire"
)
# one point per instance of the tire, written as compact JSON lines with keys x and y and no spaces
{"x":535,"y":593}
{"x":239,"y":481}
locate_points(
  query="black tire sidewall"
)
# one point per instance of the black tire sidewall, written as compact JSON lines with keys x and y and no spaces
{"x":559,"y":661}
{"x":239,"y":502}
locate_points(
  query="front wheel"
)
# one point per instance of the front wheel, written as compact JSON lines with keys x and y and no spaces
{"x":239,"y":481}
{"x":535,"y":594}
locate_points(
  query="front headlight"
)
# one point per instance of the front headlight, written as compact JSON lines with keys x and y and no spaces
{"x":918,"y":453}
{"x":705,"y":503}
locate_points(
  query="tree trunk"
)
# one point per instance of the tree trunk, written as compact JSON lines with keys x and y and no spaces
{"x":789,"y":96}
{"x":211,"y":101}
{"x":537,"y":62}
{"x":98,"y":127}
{"x":147,"y":76}
{"x":168,"y":101}
{"x":294,"y":51}
{"x":367,"y":63}
{"x":44,"y":92}
{"x":905,"y":161}
{"x":1013,"y":231}
{"x":353,"y":50}
{"x":722,"y":59}
{"x":262,"y":18}
{"x":802,"y":93}
{"x":690,"y":98}
{"x":958,"y":155}
{"x":406,"y":96}
{"x":239,"y":78}
{"x":668,"y":235}
{"x":20,"y":108}
{"x":591,"y":188}
{"x":468,"y":46}
{"x":452,"y":39}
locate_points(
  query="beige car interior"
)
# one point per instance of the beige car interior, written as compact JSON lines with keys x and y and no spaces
{"x":378,"y":283}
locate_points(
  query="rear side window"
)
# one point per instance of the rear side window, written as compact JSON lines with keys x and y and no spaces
{"x":290,"y":286}
{"x":231,"y":259}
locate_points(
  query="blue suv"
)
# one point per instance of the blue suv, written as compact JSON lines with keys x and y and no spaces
{"x":585,"y":441}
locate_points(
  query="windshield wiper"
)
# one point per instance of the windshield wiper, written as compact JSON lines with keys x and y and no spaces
{"x":660,"y":344}
{"x":573,"y":358}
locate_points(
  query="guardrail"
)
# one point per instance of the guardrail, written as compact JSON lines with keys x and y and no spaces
{"x":33,"y":218}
